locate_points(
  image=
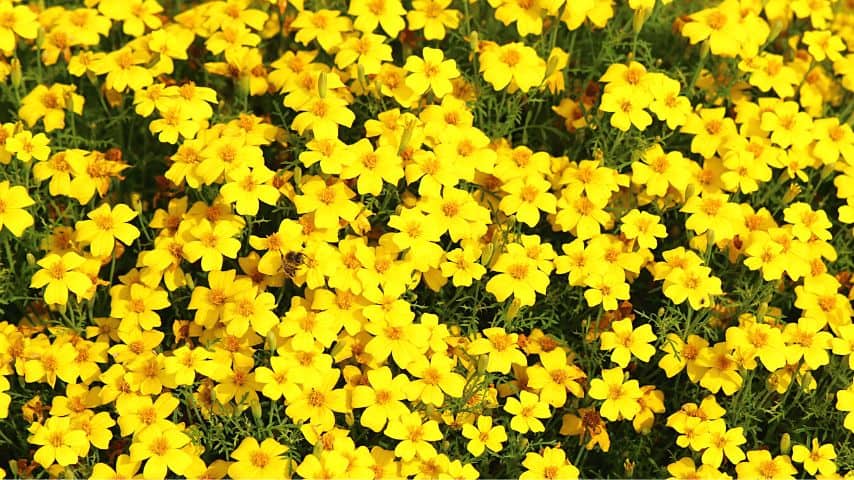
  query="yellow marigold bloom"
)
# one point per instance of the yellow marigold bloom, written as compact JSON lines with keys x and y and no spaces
{"x":328,"y":202}
{"x":414,"y":435}
{"x":819,"y":458}
{"x":136,"y":306}
{"x":606,"y":288}
{"x":325,"y":26}
{"x":124,"y":468}
{"x":528,"y":15}
{"x":501,"y":347}
{"x":526,"y":196}
{"x":527,"y":411}
{"x":514,"y":65}
{"x":247,"y":187}
{"x":711,"y":129}
{"x":50,"y":105}
{"x":124,"y":68}
{"x":624,"y":341}
{"x":13,"y":201}
{"x":26,"y":146}
{"x":586,"y":424}
{"x":432,"y":16}
{"x":788,"y":125}
{"x":760,"y":464}
{"x":434,"y":378}
{"x":138,"y":412}
{"x":685,"y":469}
{"x":372,"y":13}
{"x":264,"y":460}
{"x":845,"y":403}
{"x":627,"y":106}
{"x":162,"y":450}
{"x":667,"y":104}
{"x":370,"y":167}
{"x":551,"y":463}
{"x":484,"y":436}
{"x":721,"y":369}
{"x":806,"y":339}
{"x":620,"y":398}
{"x":212,"y":242}
{"x":518,"y":276}
{"x":720,"y":26}
{"x":643,"y":227}
{"x":368,"y":52}
{"x":135,"y":15}
{"x":753,"y":339}
{"x":59,"y":442}
{"x":660,"y":171}
{"x":316,"y":399}
{"x":60,"y":274}
{"x":382,"y":398}
{"x":432,"y":72}
{"x":556,"y":375}
{"x":106,"y":225}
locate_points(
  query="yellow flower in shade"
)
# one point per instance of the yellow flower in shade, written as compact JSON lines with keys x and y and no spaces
{"x":59,"y":442}
{"x":382,"y":398}
{"x":414,"y":435}
{"x":162,"y":450}
{"x":51,"y":105}
{"x":760,"y":464}
{"x":13,"y":201}
{"x":432,"y":72}
{"x":550,"y":464}
{"x":264,"y":460}
{"x":502,"y":349}
{"x":26,"y":146}
{"x":105,"y":226}
{"x":513,"y":64}
{"x":527,"y":411}
{"x":721,"y":369}
{"x":587,"y":424}
{"x":624,"y":341}
{"x":819,"y":458}
{"x":620,"y":398}
{"x":484,"y":436}
{"x":60,"y":274}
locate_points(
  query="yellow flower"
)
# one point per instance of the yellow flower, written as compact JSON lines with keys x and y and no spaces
{"x":434,"y":379}
{"x":414,"y":435}
{"x":620,"y":398}
{"x":316,"y":399}
{"x":527,"y":411}
{"x":518,"y":276}
{"x":643,"y":227}
{"x":432,"y":72}
{"x":329,"y":202}
{"x":264,"y":460}
{"x":13,"y":201}
{"x":514,"y":65}
{"x":162,"y":450}
{"x":526,"y":196}
{"x":625,"y":342}
{"x":59,"y":442}
{"x":211,"y":242}
{"x":433,"y":16}
{"x":105,"y":226}
{"x":372,"y":13}
{"x":382,"y":398}
{"x":50,"y":105}
{"x":551,"y":463}
{"x":501,"y":347}
{"x":760,"y":464}
{"x":484,"y":436}
{"x":60,"y":274}
{"x":819,"y":458}
{"x":555,"y":376}
{"x":27,"y":146}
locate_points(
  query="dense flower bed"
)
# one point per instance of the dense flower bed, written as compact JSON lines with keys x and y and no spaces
{"x":431,"y":239}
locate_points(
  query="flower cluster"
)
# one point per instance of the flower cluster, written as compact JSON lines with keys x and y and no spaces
{"x":430,"y":239}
